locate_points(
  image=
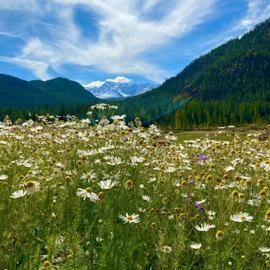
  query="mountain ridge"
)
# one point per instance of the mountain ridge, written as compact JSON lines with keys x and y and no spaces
{"x":18,"y":93}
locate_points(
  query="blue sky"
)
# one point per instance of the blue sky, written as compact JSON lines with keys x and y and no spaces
{"x":89,"y":40}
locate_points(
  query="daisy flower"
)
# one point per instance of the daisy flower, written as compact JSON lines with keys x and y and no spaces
{"x":241,"y":217}
{"x":31,"y":187}
{"x":196,"y":245}
{"x":219,"y":235}
{"x":264,"y":249}
{"x":211,"y":214}
{"x":18,"y":194}
{"x":204,"y":227}
{"x":146,"y":198}
{"x":3,"y":177}
{"x":107,"y":184}
{"x":87,"y":193}
{"x":166,"y":249}
{"x":134,"y":218}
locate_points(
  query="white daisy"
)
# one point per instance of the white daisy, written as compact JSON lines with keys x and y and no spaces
{"x":264,"y":249}
{"x":170,"y":170}
{"x":99,"y":239}
{"x":107,"y":184}
{"x":146,"y":198}
{"x":211,"y":215}
{"x":166,"y":249}
{"x":134,"y":218}
{"x":241,"y":217}
{"x":113,"y":160}
{"x":135,"y":160}
{"x":31,"y":187}
{"x":229,"y":168}
{"x":87,"y":193}
{"x":152,"y":179}
{"x":204,"y":227}
{"x":3,"y":177}
{"x":201,"y":202}
{"x":196,"y":245}
{"x":18,"y":194}
{"x":118,"y":117}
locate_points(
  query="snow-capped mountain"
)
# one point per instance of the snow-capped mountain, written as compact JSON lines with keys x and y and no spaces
{"x":120,"y":87}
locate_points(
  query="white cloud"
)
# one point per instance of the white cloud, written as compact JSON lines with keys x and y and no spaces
{"x":258,"y":11}
{"x":128,"y":30}
{"x":39,"y":68}
{"x":18,"y":5}
{"x":6,"y":34}
{"x":119,"y":79}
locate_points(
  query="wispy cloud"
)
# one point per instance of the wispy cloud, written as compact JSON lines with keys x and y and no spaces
{"x":18,"y":5}
{"x":39,"y":68}
{"x":258,"y":11}
{"x":127,"y":31}
{"x":6,"y":34}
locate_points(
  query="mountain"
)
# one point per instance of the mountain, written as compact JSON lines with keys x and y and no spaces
{"x":17,"y":93}
{"x":118,"y":88}
{"x":230,"y":84}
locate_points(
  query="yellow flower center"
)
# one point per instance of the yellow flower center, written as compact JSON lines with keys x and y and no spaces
{"x":129,"y":183}
{"x":29,"y":184}
{"x":130,"y":218}
{"x":46,"y":264}
{"x":243,"y":218}
{"x":68,"y":178}
{"x":248,"y":182}
{"x":101,"y":195}
{"x":241,"y":195}
{"x":219,"y":234}
{"x":235,"y":194}
{"x":89,"y":190}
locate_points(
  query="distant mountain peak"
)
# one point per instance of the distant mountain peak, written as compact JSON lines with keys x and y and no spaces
{"x":119,"y":87}
{"x":93,"y":84}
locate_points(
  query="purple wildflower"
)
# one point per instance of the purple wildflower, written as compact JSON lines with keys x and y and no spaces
{"x":199,"y":207}
{"x":203,"y":157}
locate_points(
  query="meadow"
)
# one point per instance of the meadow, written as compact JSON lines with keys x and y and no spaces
{"x":78,"y":195}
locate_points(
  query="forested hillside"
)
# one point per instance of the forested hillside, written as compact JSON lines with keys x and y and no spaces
{"x":231,"y":84}
{"x":21,"y":94}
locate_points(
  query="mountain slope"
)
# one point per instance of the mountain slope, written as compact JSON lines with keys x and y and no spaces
{"x":17,"y":93}
{"x":235,"y":73}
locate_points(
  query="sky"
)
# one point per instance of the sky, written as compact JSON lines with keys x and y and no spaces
{"x":96,"y":40}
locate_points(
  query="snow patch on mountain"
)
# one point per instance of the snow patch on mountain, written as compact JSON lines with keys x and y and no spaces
{"x":119,"y":87}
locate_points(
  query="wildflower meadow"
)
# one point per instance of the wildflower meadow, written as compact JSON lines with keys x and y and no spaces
{"x":87,"y":194}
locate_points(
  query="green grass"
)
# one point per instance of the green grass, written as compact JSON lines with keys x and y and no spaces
{"x":50,"y":227}
{"x":213,"y":134}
